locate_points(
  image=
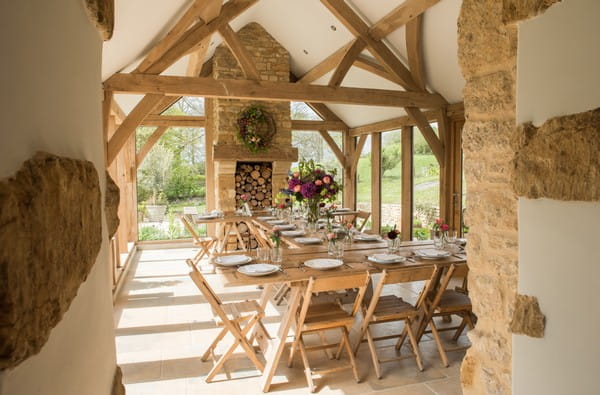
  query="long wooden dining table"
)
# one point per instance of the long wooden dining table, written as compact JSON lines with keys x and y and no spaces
{"x":296,"y":275}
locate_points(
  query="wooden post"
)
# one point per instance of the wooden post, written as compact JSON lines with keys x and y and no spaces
{"x":407,"y":183}
{"x":376,"y":182}
{"x":210,"y":163}
{"x":349,"y":197}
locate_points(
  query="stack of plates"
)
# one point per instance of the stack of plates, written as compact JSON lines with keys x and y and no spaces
{"x":323,"y":264}
{"x":208,"y":216}
{"x":308,"y":240}
{"x":293,"y":233}
{"x":259,"y":269}
{"x":386,"y":258}
{"x":286,"y":227}
{"x":432,"y":253}
{"x":265,"y":218}
{"x":367,"y":237}
{"x":232,"y":260}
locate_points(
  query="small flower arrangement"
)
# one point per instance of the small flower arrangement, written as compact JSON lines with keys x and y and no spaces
{"x":439,"y":225}
{"x":348,"y":225}
{"x":275,"y":236}
{"x":393,"y":234}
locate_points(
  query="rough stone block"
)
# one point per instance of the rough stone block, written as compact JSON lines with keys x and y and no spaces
{"x":102,"y":15}
{"x":518,"y":10}
{"x":559,"y":160}
{"x":50,"y":235}
{"x":528,"y":318}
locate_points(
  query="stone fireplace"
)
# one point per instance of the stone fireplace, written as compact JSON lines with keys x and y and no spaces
{"x":229,"y":154}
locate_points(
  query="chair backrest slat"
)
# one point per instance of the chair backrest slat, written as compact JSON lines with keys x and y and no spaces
{"x":364,"y":216}
{"x":188,"y":226}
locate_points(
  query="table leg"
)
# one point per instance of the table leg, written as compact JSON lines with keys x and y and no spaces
{"x":277,"y":345}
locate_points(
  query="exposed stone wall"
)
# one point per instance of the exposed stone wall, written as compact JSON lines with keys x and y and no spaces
{"x":487,"y":55}
{"x":50,"y":235}
{"x":273,"y":64}
{"x":560,"y":159}
{"x":111,"y":206}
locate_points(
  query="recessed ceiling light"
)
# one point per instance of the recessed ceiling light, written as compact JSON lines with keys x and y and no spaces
{"x":333,"y":28}
{"x":305,"y":51}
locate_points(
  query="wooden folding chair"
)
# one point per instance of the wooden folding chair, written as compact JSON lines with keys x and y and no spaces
{"x":364,"y":217}
{"x":205,"y":243}
{"x":231,"y":317}
{"x":318,"y":318}
{"x":390,"y":308}
{"x":449,"y":302}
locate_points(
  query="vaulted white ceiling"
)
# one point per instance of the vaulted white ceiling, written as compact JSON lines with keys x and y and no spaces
{"x":309,"y":32}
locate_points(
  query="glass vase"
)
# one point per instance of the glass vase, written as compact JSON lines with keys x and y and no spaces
{"x":440,"y":239}
{"x":393,"y":245}
{"x":276,"y":254}
{"x":335,"y":248}
{"x":312,"y":215}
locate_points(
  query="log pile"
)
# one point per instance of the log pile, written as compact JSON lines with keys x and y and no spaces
{"x":254,"y":178}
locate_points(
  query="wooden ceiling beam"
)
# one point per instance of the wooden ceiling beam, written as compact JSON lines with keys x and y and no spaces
{"x":266,"y":90}
{"x":241,"y":54}
{"x":152,"y":140}
{"x":133,"y":120}
{"x":334,"y":147}
{"x":191,"y":16}
{"x":434,"y":142}
{"x":199,"y":32}
{"x":190,"y":121}
{"x":342,"y":11}
{"x":211,"y":10}
{"x":326,"y":65}
{"x":400,"y":16}
{"x":414,"y":49}
{"x":318,"y":125}
{"x":371,"y":65}
{"x":346,"y":62}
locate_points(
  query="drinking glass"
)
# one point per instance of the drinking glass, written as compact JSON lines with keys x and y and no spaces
{"x":276,"y":254}
{"x":263,"y":255}
{"x":336,"y":249}
{"x":452,"y":236}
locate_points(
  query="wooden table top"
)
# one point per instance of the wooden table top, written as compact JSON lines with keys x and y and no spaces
{"x":355,"y":261}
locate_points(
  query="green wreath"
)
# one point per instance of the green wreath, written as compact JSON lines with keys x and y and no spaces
{"x":256,"y":128}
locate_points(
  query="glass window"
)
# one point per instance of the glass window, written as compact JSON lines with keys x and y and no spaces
{"x":363,"y":180}
{"x":186,"y":106}
{"x":302,"y":112}
{"x":171,"y":177}
{"x":391,"y":180}
{"x":311,"y":145}
{"x":426,"y":186}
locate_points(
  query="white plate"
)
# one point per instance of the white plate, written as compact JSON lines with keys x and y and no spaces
{"x":461,"y":242}
{"x":308,"y":240}
{"x":208,"y":216}
{"x":265,"y":218}
{"x":431,"y":253}
{"x":258,"y":269}
{"x":276,"y":222}
{"x":323,"y":264}
{"x":367,"y":237}
{"x":286,"y":227}
{"x":232,"y":260}
{"x":386,"y":258}
{"x":293,"y":233}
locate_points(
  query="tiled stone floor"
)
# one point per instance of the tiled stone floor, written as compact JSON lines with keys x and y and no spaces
{"x":163,"y":325}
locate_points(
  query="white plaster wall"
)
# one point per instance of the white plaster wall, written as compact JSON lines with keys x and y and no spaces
{"x":51,"y":100}
{"x":559,"y":242}
{"x":559,"y":263}
{"x":558,"y":62}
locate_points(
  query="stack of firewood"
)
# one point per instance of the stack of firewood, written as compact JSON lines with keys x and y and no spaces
{"x":254,"y":179}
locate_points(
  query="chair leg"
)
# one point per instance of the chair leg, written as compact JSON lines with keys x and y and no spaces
{"x":460,"y":329}
{"x":219,"y":337}
{"x":307,"y":370}
{"x":373,"y":351}
{"x":401,"y":339}
{"x":221,"y":361}
{"x":292,"y":352}
{"x":438,"y":342}
{"x":346,"y":341}
{"x":414,"y":344}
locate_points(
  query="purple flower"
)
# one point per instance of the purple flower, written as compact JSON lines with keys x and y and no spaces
{"x":293,"y":182}
{"x":308,"y":190}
